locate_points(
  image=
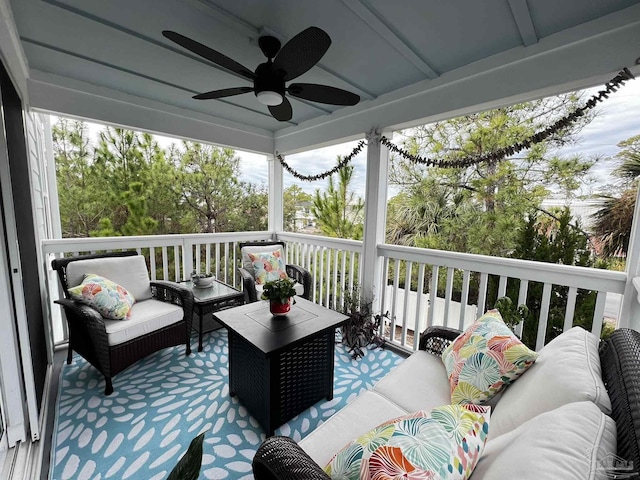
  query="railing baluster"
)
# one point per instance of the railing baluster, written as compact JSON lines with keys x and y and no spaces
{"x":316,"y":275}
{"x":466,"y":276}
{"x":343,"y":277}
{"x":352,"y":267}
{"x":544,"y":315}
{"x":433,"y":294}
{"x":482,"y":293}
{"x":176,"y":256}
{"x":384,"y":281}
{"x":226,"y":262}
{"x":207,"y":257}
{"x":217,"y":260}
{"x":598,"y":314}
{"x":571,"y":308}
{"x":394,"y":298}
{"x":198,"y":248}
{"x":522,"y":300}
{"x":327,"y":300}
{"x":419,"y":294}
{"x":407,"y":294}
{"x":165,"y":264}
{"x":447,"y":295}
{"x":335,"y":280}
{"x":152,"y":262}
{"x":502,"y":286}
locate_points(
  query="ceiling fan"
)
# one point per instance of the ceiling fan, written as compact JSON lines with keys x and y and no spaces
{"x":296,"y":57}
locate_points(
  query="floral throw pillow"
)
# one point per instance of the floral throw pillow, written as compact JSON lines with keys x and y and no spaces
{"x":484,"y":359}
{"x":268,"y":266}
{"x":445,"y":443}
{"x":108,"y":298}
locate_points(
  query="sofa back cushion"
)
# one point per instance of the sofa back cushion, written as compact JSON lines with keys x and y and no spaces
{"x":130,"y":272}
{"x":567,"y":370}
{"x":573,"y":442}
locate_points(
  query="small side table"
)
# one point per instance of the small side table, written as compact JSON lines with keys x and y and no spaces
{"x":218,"y":296}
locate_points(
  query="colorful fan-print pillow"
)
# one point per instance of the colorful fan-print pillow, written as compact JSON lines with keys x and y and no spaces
{"x":485,"y":359}
{"x":445,"y":443}
{"x":108,"y":298}
{"x":268,"y":266}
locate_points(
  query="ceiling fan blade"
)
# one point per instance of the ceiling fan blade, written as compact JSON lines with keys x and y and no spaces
{"x":302,"y":52}
{"x":226,"y":92}
{"x":282,"y":112}
{"x":323,"y":94}
{"x":209,"y":53}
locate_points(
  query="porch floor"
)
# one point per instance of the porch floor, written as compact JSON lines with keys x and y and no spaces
{"x":162,"y":402}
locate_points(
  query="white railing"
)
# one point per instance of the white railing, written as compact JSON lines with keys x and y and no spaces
{"x":334,"y":264}
{"x":467,"y":282}
{"x":423,"y":270}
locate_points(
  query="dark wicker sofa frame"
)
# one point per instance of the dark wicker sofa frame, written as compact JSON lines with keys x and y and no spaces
{"x":281,"y":457}
{"x":296,"y":272}
{"x":88,"y":337}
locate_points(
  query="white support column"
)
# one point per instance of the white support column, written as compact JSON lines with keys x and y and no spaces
{"x":375,"y":217}
{"x":630,"y":311}
{"x":276,"y":189}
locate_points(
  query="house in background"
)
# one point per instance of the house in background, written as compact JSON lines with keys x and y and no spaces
{"x":410,"y":62}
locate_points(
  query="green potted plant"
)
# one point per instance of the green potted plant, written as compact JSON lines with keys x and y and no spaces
{"x":363,"y":326}
{"x":280,"y":294}
{"x":511,"y":314}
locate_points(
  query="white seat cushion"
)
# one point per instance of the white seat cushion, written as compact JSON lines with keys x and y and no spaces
{"x":367,"y":411}
{"x":130,"y":272}
{"x":567,"y":370}
{"x":145,"y":317}
{"x":427,"y":377}
{"x":571,"y":442}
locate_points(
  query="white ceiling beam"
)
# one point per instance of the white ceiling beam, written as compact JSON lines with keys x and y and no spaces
{"x":580,"y":57}
{"x":523,"y":19}
{"x":367,"y":15}
{"x":11,"y":52}
{"x":61,"y":95}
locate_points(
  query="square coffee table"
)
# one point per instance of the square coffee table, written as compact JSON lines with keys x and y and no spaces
{"x":280,"y":366}
{"x":210,"y":299}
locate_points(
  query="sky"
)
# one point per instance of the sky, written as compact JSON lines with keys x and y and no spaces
{"x":618,"y":119}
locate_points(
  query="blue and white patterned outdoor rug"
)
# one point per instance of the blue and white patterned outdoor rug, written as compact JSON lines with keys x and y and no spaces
{"x":162,"y":402}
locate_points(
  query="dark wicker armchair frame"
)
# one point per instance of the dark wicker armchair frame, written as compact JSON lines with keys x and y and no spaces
{"x":88,"y":337}
{"x":281,"y":457}
{"x":296,"y":272}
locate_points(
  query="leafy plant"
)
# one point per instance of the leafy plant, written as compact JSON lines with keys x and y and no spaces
{"x":511,"y":314}
{"x":188,"y":467}
{"x":363,"y":327}
{"x":280,"y":290}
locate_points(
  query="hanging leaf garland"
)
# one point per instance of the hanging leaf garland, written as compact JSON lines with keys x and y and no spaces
{"x":498,"y":155}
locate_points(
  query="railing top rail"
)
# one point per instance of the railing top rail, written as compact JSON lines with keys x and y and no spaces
{"x":566,"y":275}
{"x":69,"y":245}
{"x":329,"y":242}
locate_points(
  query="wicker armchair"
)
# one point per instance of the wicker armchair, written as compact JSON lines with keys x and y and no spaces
{"x":299,"y":274}
{"x":282,"y":458}
{"x":89,"y":332}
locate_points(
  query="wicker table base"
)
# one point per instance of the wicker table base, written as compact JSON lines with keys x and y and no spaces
{"x":280,"y":366}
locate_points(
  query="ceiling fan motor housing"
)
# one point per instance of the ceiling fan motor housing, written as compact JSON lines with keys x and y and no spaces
{"x":269,"y":79}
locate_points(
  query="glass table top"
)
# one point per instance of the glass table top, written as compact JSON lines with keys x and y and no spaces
{"x":216,"y":290}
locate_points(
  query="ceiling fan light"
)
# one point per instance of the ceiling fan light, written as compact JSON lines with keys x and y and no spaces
{"x":270,"y":98}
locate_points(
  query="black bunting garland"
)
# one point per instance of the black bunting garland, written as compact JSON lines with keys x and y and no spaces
{"x":610,"y":87}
